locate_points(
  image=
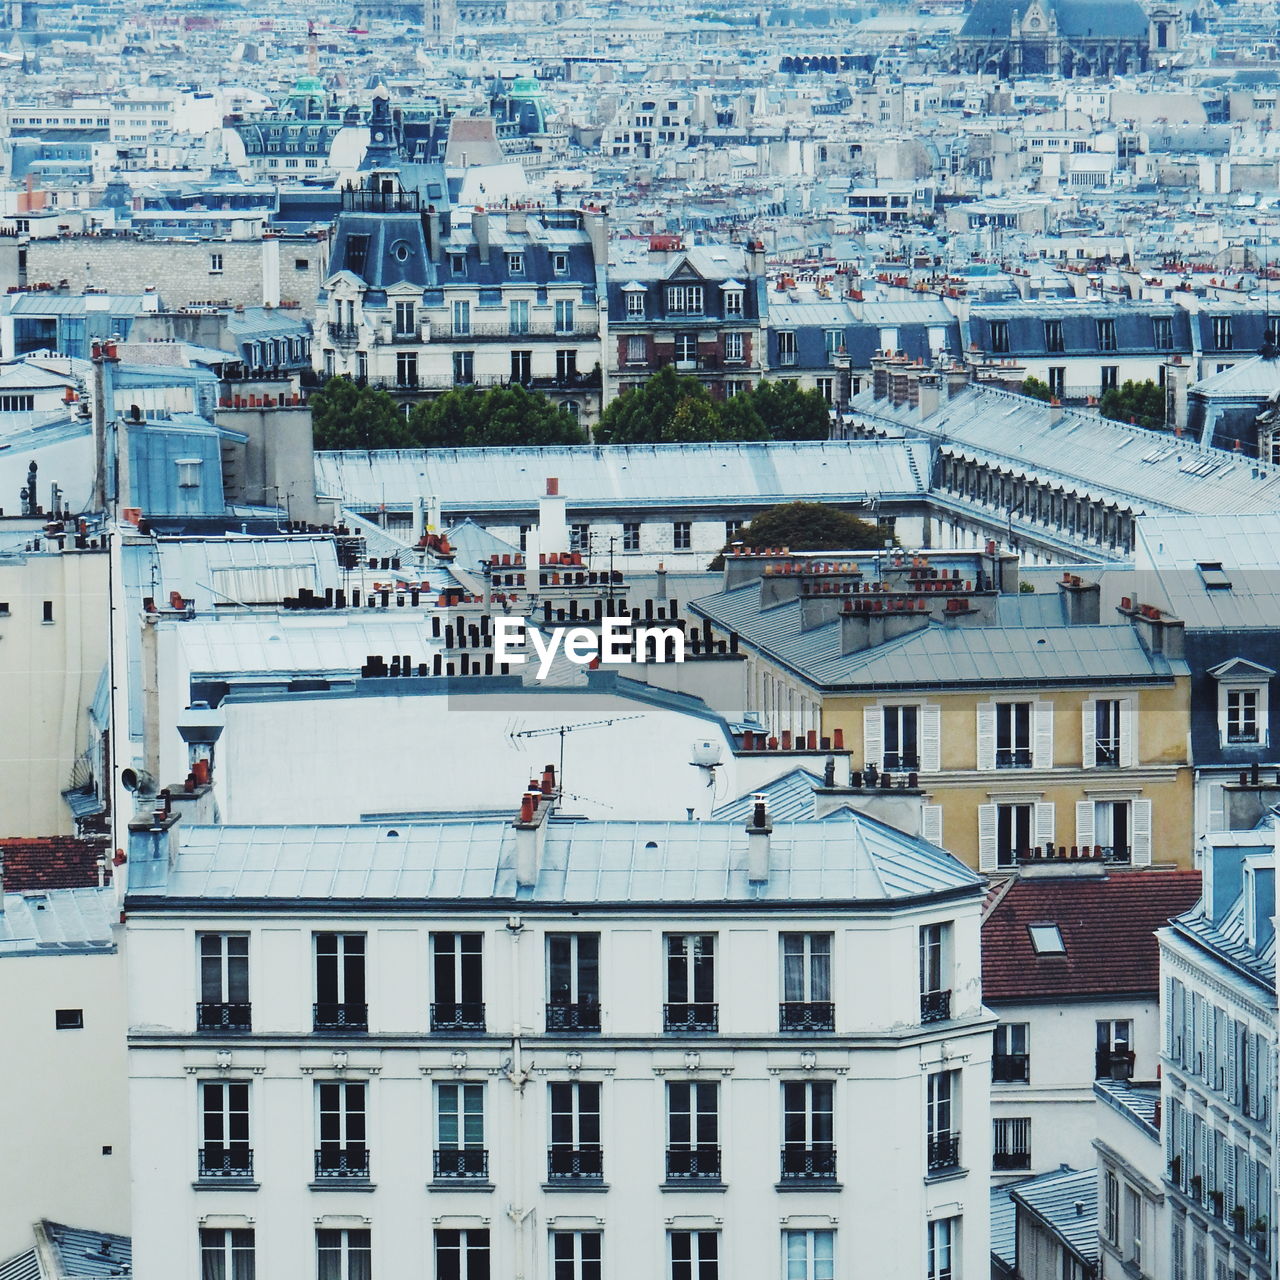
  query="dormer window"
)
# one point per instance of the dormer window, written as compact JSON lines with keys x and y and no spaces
{"x":515,"y":264}
{"x":559,"y":264}
{"x":733,"y":302}
{"x":1243,"y":689}
{"x":684,"y":300}
{"x":635,"y":306}
{"x":458,"y":264}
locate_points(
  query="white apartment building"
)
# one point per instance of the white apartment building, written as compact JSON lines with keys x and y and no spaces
{"x":549,"y":1048}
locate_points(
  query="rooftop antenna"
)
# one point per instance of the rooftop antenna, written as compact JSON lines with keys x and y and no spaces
{"x":563,"y":730}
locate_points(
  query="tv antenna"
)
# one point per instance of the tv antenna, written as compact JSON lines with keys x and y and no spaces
{"x":563,"y":730}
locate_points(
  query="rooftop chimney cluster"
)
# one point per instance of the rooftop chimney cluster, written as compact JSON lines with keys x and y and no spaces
{"x":754,"y":740}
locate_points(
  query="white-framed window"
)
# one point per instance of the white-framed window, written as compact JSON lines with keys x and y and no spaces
{"x":564,"y":315}
{"x":224,"y":968}
{"x":224,"y":1129}
{"x":635,"y":304}
{"x":575,"y":1255}
{"x":809,"y":1255}
{"x":559,"y":264}
{"x":694,"y":1255}
{"x":1011,"y":1055}
{"x":1013,"y":828}
{"x":515,"y":264}
{"x":518,"y":311}
{"x":943,"y":1247}
{"x":340,"y":981}
{"x":575,"y":1128}
{"x":903,"y":736}
{"x":461,"y":1255}
{"x":1119,"y":825}
{"x":1242,"y":714}
{"x":461,"y":318}
{"x":457,"y":976}
{"x":343,"y":1254}
{"x":579,"y":537}
{"x":341,"y":1109}
{"x":1111,"y":1208}
{"x":787,"y":350}
{"x":226,"y":1253}
{"x":734,"y":346}
{"x":637,"y":349}
{"x":1114,"y":1057}
{"x":1108,"y":733}
{"x":215,"y":264}
{"x":682,"y":535}
{"x":1015,"y":734}
{"x":1011,"y":1144}
{"x":631,"y":536}
{"x":406,"y":317}
{"x":1133,"y":1228}
{"x":684,"y":299}
{"x":942,"y":1090}
{"x":686,"y":348}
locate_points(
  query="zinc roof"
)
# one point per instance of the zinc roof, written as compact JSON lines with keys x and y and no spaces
{"x":57,"y":920}
{"x":1068,"y":1202}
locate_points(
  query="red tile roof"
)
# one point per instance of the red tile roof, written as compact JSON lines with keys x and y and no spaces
{"x":51,"y":862}
{"x":1107,"y":923}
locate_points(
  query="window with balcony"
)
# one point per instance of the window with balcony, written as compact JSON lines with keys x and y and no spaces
{"x":1108,"y":717}
{"x":575,"y":1155}
{"x":340,"y":982}
{"x":575,"y":1255}
{"x":808,"y":1131}
{"x":226,"y":1253}
{"x":573,"y":982}
{"x":342,"y":1153}
{"x":464,"y":367}
{"x":1114,"y":1057}
{"x":406,"y":368}
{"x":935,"y":972}
{"x":1113,"y":829}
{"x":1011,"y":1147}
{"x":682,"y":535}
{"x":943,"y":1247}
{"x":806,"y":983}
{"x":566,"y":365}
{"x":457,"y":973}
{"x":901,"y":744}
{"x":684,"y":300}
{"x":942,"y":1134}
{"x":461,"y":318}
{"x":1015,"y":833}
{"x":787,"y":351}
{"x":1058,"y":381}
{"x":809,"y":1255}
{"x":224,"y":983}
{"x":735,"y":347}
{"x":1011,"y":1057}
{"x":518,"y":316}
{"x":224,"y":1130}
{"x":462,"y":1255}
{"x":693,"y":1131}
{"x":406,"y":320}
{"x":521,"y":366}
{"x":1106,"y":335}
{"x":460,"y":1152}
{"x":1053,"y":336}
{"x":694,"y":1255}
{"x":564,"y":315}
{"x":1013,"y":735}
{"x":691,"y":995}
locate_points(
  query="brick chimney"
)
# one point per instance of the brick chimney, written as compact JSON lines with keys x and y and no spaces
{"x":531,"y":834}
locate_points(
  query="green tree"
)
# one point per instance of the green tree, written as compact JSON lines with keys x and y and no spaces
{"x":740,"y":419}
{"x":1140,"y":402}
{"x":1036,"y":389}
{"x":807,"y":526}
{"x":645,"y":414}
{"x":467,"y":417}
{"x":345,"y":416}
{"x":791,"y":414}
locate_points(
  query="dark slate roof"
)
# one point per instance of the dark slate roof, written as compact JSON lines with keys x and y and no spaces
{"x":89,"y":1253}
{"x":1107,"y":923}
{"x":1068,"y":1202}
{"x":51,"y":862}
{"x":1096,"y":19}
{"x":1134,"y":328}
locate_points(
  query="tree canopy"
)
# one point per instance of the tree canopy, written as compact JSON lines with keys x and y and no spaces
{"x":347,"y":416}
{"x":1036,"y":389}
{"x":1141,"y":402}
{"x":808,"y":526}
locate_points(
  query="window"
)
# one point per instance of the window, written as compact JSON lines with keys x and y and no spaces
{"x":17,"y":404}
{"x":1106,"y":731}
{"x":1106,"y":335}
{"x":808,"y":1130}
{"x":1242,"y":716}
{"x":46,"y":614}
{"x":732,"y":528}
{"x":406,"y":319}
{"x":460,"y":1150}
{"x":1223,"y":333}
{"x":343,"y":1254}
{"x":566,"y":365}
{"x":1132,"y":1245}
{"x":1111,"y":1208}
{"x":1053,"y":336}
{"x":943,"y":1140}
{"x":575,"y":1255}
{"x":631,"y":536}
{"x":806,"y":983}
{"x":559,"y":264}
{"x":224,"y":1112}
{"x":461,"y":319}
{"x":68,"y":1019}
{"x":681,"y":535}
{"x":575,"y":1131}
{"x":1010,"y":1059}
{"x":215,"y":264}
{"x":637,"y":349}
{"x":362,"y":365}
{"x":1013,"y":735}
{"x":521,"y":366}
{"x":224,"y":982}
{"x":943,"y":1241}
{"x":901,"y":740}
{"x":734,"y":346}
{"x":515,"y":264}
{"x":1110,"y":374}
{"x":564,"y":315}
{"x":1112,"y":829}
{"x":1012,"y":1144}
{"x":635,"y":305}
{"x":1046,"y":940}
{"x":686,"y":348}
{"x":518,"y":310}
{"x":301,"y":264}
{"x":695,"y":1255}
{"x":573,"y":982}
{"x":462,"y":1255}
{"x":1162,"y":333}
{"x":733,"y":302}
{"x":458,"y":264}
{"x":464,"y":366}
{"x":809,"y":1255}
{"x":579,"y":537}
{"x":457,"y":982}
{"x":406,"y":368}
{"x":826,"y":388}
{"x":690,"y":1004}
{"x":1057,"y":381}
{"x":786,"y":347}
{"x":226,"y":1254}
{"x":340,"y":991}
{"x":935,"y":972}
{"x":693,"y":1130}
{"x":1000,"y":336}
{"x":1014,"y":833}
{"x":684,"y":300}
{"x":342,"y":1152}
{"x":1114,"y":1058}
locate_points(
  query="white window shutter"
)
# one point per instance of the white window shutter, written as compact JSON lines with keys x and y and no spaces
{"x":1217,"y":804}
{"x":987,"y":739}
{"x":1044,"y":824}
{"x":1229,"y":1178}
{"x":1089,"y":733}
{"x":1233,"y":1069}
{"x":1141,"y":837}
{"x":1084,"y":824}
{"x":987,"y":858}
{"x":931,"y":824}
{"x":1128,"y":734}
{"x":1169,"y":984}
{"x":873,"y":736}
{"x":1042,"y":736}
{"x":930,"y":738}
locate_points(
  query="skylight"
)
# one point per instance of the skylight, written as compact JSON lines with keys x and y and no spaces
{"x":1213,"y":576}
{"x":1046,"y":940}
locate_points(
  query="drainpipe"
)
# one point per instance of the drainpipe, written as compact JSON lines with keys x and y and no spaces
{"x":518,"y":1077}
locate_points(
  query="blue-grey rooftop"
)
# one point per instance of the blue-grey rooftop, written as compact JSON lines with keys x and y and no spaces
{"x":1068,"y":1202}
{"x":57,"y":922}
{"x":789,"y":797}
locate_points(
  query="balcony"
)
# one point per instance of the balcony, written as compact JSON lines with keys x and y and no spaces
{"x":935,"y":1006}
{"x":807,"y":1015}
{"x":690,"y":1017}
{"x":787,"y":358}
{"x":459,"y":1164}
{"x":809,"y":1164}
{"x":897,"y":761}
{"x":1011,"y":1161}
{"x":216,"y":1161}
{"x":575,"y":1164}
{"x":333,"y":1163}
{"x":536,"y":327}
{"x":693,"y":1164}
{"x":582,"y":1016}
{"x":411,"y":336}
{"x":344,"y":333}
{"x":1120,"y":853}
{"x":340,"y":1017}
{"x":1011,"y":1068}
{"x":468,"y":1016}
{"x":944,"y":1152}
{"x":1013,"y":758}
{"x":224,"y":1017}
{"x":1106,"y":754}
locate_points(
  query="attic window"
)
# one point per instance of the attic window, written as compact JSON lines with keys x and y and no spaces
{"x":1046,"y":940}
{"x":188,"y":472}
{"x":400,"y":250}
{"x":1213,"y":576}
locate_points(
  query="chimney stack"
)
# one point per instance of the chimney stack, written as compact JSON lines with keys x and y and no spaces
{"x":531,"y":835}
{"x":759,"y":831}
{"x":480,"y":229}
